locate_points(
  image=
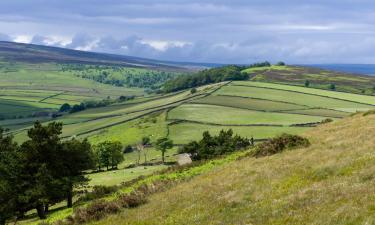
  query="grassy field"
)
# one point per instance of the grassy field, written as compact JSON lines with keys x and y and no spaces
{"x":293,"y":97}
{"x":27,"y":88}
{"x":228,"y":115}
{"x":116,"y":177}
{"x":249,"y":103}
{"x":332,"y":94}
{"x":331,"y":182}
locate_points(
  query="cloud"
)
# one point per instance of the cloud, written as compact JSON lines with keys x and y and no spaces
{"x":39,"y":40}
{"x":236,"y":31}
{"x":82,"y":41}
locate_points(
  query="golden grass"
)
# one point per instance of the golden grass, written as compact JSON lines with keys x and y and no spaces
{"x":330,"y":182}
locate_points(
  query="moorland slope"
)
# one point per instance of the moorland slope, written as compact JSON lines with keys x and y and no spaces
{"x":330,"y":182}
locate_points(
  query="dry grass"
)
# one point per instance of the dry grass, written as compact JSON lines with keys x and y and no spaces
{"x":330,"y":182}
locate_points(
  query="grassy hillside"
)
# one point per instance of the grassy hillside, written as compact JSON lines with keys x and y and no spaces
{"x":184,"y":116}
{"x":330,"y":182}
{"x":318,"y":78}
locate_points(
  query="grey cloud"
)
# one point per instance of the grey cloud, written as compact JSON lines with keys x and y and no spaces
{"x":5,"y":37}
{"x":236,"y":31}
{"x":80,"y":41}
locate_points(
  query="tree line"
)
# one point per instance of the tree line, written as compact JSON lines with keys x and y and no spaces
{"x":45,"y":169}
{"x":66,"y":107}
{"x":121,"y":76}
{"x":213,"y":75}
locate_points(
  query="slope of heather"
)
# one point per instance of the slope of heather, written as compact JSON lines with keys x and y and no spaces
{"x":330,"y":182}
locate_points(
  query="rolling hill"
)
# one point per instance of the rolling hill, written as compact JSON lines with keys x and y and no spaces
{"x":30,"y":53}
{"x":130,"y":103}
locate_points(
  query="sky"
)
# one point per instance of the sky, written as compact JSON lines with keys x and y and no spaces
{"x":217,"y":31}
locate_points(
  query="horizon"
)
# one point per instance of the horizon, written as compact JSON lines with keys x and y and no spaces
{"x":307,"y":32}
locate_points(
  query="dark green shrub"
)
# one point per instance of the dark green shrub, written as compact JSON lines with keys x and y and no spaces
{"x":279,"y":144}
{"x":212,"y":146}
{"x":369,"y":112}
{"x":328,"y":120}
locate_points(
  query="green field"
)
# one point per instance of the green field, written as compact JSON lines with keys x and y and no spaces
{"x":228,"y":115}
{"x":332,"y":94}
{"x":30,"y":88}
{"x":116,"y":177}
{"x":293,"y":97}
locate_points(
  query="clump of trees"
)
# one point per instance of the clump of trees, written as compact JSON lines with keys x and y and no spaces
{"x":213,"y":146}
{"x":44,"y":169}
{"x":208,"y":76}
{"x":66,"y":107}
{"x":121,"y":76}
{"x":108,"y":154}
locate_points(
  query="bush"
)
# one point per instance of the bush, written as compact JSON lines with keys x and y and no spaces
{"x":132,"y":200}
{"x":369,"y":112}
{"x":98,"y":191}
{"x":328,"y":120}
{"x":279,"y":144}
{"x":95,"y":211}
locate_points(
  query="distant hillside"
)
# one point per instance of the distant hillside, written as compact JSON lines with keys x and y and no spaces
{"x":30,"y":53}
{"x":315,"y":78}
{"x":330,"y":182}
{"x":368,"y":69}
{"x":295,"y":75}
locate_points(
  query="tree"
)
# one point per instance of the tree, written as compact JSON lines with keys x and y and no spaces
{"x":77,"y":108}
{"x":163,"y":144}
{"x":193,"y":91}
{"x":77,"y":157}
{"x":307,"y":83}
{"x":42,"y":165}
{"x":65,"y":108}
{"x":109,"y":154}
{"x":140,"y":149}
{"x":280,"y":64}
{"x":332,"y":87}
{"x":9,"y":181}
{"x":145,"y":142}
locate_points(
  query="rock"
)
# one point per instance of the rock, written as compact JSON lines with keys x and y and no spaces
{"x":183,"y":159}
